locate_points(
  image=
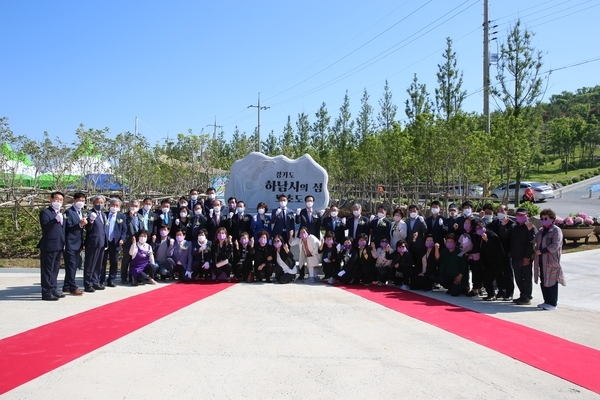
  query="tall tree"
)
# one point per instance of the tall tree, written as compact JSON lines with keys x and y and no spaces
{"x":302,"y":134}
{"x":387,"y":113}
{"x":320,"y":131}
{"x":418,"y":101}
{"x":269,"y":146}
{"x":449,"y":94}
{"x":365,"y":126}
{"x":286,"y":141}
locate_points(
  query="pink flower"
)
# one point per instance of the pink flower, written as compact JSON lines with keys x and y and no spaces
{"x":582,"y":215}
{"x":588,"y":221}
{"x":559,"y":221}
{"x":569,"y":221}
{"x":578,"y":220}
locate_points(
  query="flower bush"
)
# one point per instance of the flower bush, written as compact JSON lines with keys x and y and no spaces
{"x":579,"y":220}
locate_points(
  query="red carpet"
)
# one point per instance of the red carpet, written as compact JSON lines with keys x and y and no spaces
{"x":27,"y":355}
{"x":567,"y":360}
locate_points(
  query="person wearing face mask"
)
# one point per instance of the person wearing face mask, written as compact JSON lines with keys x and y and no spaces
{"x":451,"y":222}
{"x":329,"y":255}
{"x":215,"y":219}
{"x":493,"y":258}
{"x":427,"y":277}
{"x":520,"y":236}
{"x":261,"y":221}
{"x":161,"y":248}
{"x":380,"y":226}
{"x":548,"y":243}
{"x":202,"y":252}
{"x":309,"y":253}
{"x":194,"y":199}
{"x":487,"y":213}
{"x":75,"y":221}
{"x":383,"y":262}
{"x":211,"y":195}
{"x":240,"y":222}
{"x":199,"y":221}
{"x":283,"y":219}
{"x":402,"y":265}
{"x":51,"y":245}
{"x":95,"y":242}
{"x":365,"y":263}
{"x":358,"y":224}
{"x":183,"y":222}
{"x":416,"y":229}
{"x":333,"y":223}
{"x":142,"y":260}
{"x":148,"y":219}
{"x":470,"y":243}
{"x":264,"y":258}
{"x":467,"y":212}
{"x":348,"y":262}
{"x":181,"y":203}
{"x":398,"y":228}
{"x":435,"y":223}
{"x":164,"y":216}
{"x":134,"y":224}
{"x":243,"y":255}
{"x":180,"y":257}
{"x":506,"y":279}
{"x":453,"y":267}
{"x":309,"y":218}
{"x":285,"y":266}
{"x":117,"y":235}
{"x":222,"y":256}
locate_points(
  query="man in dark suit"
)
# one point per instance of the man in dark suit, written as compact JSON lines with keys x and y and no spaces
{"x":51,"y":246}
{"x":215,"y":219}
{"x":380,"y":226}
{"x":117,"y":234}
{"x":310,"y":219}
{"x":435,"y":223}
{"x":95,"y":244}
{"x":451,"y":222}
{"x":133,"y":224}
{"x":240,"y":222}
{"x":415,"y":235}
{"x":74,"y":223}
{"x":194,"y":199}
{"x":282,"y":219}
{"x":357,"y":224}
{"x":164,"y":216}
{"x":333,"y":223}
{"x":199,"y":221}
{"x":211,"y":195}
{"x":148,"y":219}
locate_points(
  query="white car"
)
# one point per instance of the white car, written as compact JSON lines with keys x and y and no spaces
{"x":541,"y":191}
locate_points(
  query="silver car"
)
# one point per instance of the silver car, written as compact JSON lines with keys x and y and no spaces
{"x":541,"y":191}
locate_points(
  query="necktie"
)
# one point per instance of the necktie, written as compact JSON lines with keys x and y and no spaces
{"x":146,"y":221}
{"x":111,"y":227}
{"x":333,"y":224}
{"x":309,"y":216}
{"x":136,"y":223}
{"x":166,"y":218}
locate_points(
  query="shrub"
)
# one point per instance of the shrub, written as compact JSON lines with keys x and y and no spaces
{"x":531,"y":208}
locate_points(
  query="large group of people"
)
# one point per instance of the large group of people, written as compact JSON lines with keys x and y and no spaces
{"x":461,"y":251}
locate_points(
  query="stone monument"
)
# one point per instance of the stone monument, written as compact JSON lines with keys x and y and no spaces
{"x":258,"y":177}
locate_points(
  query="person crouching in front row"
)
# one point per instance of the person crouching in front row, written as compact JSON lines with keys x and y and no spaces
{"x":285,"y":265}
{"x":222,"y":254}
{"x":142,"y":264}
{"x":453,"y":267}
{"x":180,"y":257}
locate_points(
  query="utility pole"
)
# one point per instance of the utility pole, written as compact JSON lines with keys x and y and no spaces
{"x":486,"y":65}
{"x":258,"y":107}
{"x":215,"y":126}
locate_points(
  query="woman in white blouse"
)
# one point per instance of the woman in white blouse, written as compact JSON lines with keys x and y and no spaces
{"x":309,"y":252}
{"x":398,"y":229}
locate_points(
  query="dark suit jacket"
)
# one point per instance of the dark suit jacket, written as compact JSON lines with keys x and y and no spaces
{"x":160,"y":221}
{"x":130,"y":225}
{"x":73,"y":231}
{"x":280,"y":224}
{"x":53,"y":233}
{"x":362,"y":227}
{"x":120,"y":229}
{"x":340,"y":229}
{"x":240,"y":225}
{"x":185,"y":227}
{"x":96,"y":232}
{"x":435,"y":229}
{"x":152,"y":222}
{"x":198,"y":222}
{"x":313,"y":224}
{"x":419,"y":226}
{"x":380,"y":229}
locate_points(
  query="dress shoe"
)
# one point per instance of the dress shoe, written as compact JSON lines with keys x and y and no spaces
{"x":522,"y":302}
{"x":110,"y":284}
{"x":98,"y":287}
{"x":59,"y":295}
{"x":49,"y":297}
{"x":76,"y":292}
{"x":89,"y":290}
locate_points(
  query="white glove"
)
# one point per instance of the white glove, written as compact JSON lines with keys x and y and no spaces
{"x":321,"y":212}
{"x":344,"y":221}
{"x":205,"y":266}
{"x":59,"y":218}
{"x":230,"y":215}
{"x":172,"y":242}
{"x":341,"y":273}
{"x":93,"y":216}
{"x":298,"y":210}
{"x":371,"y":218}
{"x":177,"y":221}
{"x":188,"y":274}
{"x":339,"y":247}
{"x":255,"y":218}
{"x":278,"y":211}
{"x":210,"y":212}
{"x":441,"y":222}
{"x":203,"y":247}
{"x":162,"y":216}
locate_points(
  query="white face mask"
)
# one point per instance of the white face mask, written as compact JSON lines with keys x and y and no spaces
{"x":283,"y":204}
{"x":466,"y":212}
{"x":309,"y":204}
{"x":142,"y":239}
{"x":147,"y":207}
{"x":79,"y":204}
{"x":397,"y":218}
{"x":132,"y":209}
{"x":183,"y":214}
{"x":435,"y":210}
{"x":356,"y":213}
{"x":212,"y":196}
{"x":197,"y":212}
{"x":333,"y":214}
{"x":413,"y":215}
{"x":114,"y":210}
{"x":261,"y":210}
{"x":56,"y":205}
{"x":201,"y":239}
{"x":217,"y":208}
{"x":194,"y":197}
{"x":380,"y":215}
{"x":501,"y":215}
{"x":487,"y":217}
{"x":165,"y":210}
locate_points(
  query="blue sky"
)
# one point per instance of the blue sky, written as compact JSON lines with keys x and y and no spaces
{"x":177,"y":65}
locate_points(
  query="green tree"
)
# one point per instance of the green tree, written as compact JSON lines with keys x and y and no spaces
{"x":449,"y":94}
{"x":286,"y":141}
{"x":302,"y":134}
{"x":365,"y":126}
{"x":418,"y":101}
{"x":387,"y":112}
{"x":269,"y":146}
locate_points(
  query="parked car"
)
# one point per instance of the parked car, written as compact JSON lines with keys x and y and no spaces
{"x":473,"y":190}
{"x":541,"y":191}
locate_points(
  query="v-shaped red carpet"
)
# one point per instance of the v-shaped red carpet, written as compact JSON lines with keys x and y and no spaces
{"x":30,"y":354}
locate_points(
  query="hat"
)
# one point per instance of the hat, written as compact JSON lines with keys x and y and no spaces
{"x":522,"y":210}
{"x":452,"y":207}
